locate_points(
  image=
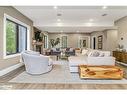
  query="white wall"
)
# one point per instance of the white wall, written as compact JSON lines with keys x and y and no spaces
{"x":112,"y":36}
{"x":122,"y":31}
{"x":72,"y":38}
{"x":96,"y":34}
{"x":109,"y":39}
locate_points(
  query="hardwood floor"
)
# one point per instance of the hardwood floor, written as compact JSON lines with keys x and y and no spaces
{"x":4,"y":84}
{"x":61,"y":86}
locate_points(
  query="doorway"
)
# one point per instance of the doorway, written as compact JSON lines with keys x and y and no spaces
{"x":94,"y":42}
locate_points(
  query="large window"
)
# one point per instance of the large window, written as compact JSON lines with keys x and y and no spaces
{"x":16,"y":37}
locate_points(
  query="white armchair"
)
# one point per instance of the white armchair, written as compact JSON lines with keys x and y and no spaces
{"x":36,"y":63}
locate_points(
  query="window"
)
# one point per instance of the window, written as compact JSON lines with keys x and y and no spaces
{"x":45,"y":39}
{"x":10,"y":37}
{"x":64,"y":41}
{"x":16,"y":37}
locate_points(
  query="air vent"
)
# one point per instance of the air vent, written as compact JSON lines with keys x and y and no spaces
{"x":59,"y":14}
{"x":104,"y":14}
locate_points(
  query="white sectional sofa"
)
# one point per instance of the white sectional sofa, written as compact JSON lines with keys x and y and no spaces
{"x":106,"y":59}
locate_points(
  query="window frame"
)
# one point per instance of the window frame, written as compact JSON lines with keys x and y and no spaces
{"x":7,"y":17}
{"x":61,"y":40}
{"x":17,"y":36}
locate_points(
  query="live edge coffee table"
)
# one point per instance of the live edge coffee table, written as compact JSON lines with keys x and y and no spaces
{"x":100,"y":72}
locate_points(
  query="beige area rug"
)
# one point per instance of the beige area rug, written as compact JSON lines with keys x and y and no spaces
{"x":61,"y":74}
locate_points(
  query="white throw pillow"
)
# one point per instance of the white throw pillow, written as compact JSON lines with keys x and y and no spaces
{"x":71,"y":49}
{"x":89,"y":53}
{"x":106,"y":53}
{"x":84,"y":51}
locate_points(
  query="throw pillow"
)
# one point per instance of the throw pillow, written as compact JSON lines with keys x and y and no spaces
{"x":106,"y":53}
{"x":101,"y":54}
{"x":67,"y":49}
{"x":94,"y":53}
{"x":54,"y":49}
{"x":71,"y":49}
{"x":88,"y":52}
{"x":84,"y":52}
{"x":57,"y":49}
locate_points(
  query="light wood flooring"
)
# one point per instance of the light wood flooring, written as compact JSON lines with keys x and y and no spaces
{"x":4,"y":84}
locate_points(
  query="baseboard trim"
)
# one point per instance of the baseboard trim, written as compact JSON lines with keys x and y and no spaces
{"x":124,"y":64}
{"x":9,"y":69}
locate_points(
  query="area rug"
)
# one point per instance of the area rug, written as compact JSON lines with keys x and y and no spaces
{"x":61,"y":74}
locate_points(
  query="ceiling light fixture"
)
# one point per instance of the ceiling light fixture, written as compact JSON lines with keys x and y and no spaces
{"x":89,"y":24}
{"x":77,"y":31}
{"x":55,"y":7}
{"x":58,"y":19}
{"x":91,"y":20}
{"x":59,"y":24}
{"x":104,"y":7}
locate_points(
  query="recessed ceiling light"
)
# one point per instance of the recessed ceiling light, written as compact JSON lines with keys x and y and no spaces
{"x":55,"y":7}
{"x":91,"y":20}
{"x":77,"y":31}
{"x":104,"y":7}
{"x":59,"y":24}
{"x":58,"y":19}
{"x":88,"y":24}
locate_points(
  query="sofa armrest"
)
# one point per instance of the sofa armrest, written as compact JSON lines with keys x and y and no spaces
{"x":101,"y":60}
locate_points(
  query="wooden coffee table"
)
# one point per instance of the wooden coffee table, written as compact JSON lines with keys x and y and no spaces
{"x":100,"y":72}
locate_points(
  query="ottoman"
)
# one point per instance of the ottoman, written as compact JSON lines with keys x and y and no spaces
{"x":100,"y":72}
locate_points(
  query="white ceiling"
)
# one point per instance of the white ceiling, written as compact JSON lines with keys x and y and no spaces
{"x":73,"y":18}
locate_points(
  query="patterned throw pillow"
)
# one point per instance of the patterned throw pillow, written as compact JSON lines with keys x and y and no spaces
{"x":94,"y":53}
{"x":101,"y":54}
{"x":67,"y":49}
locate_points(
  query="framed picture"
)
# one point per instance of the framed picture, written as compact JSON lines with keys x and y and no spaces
{"x":99,"y":45}
{"x":100,"y":42}
{"x":100,"y":38}
{"x":84,"y":43}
